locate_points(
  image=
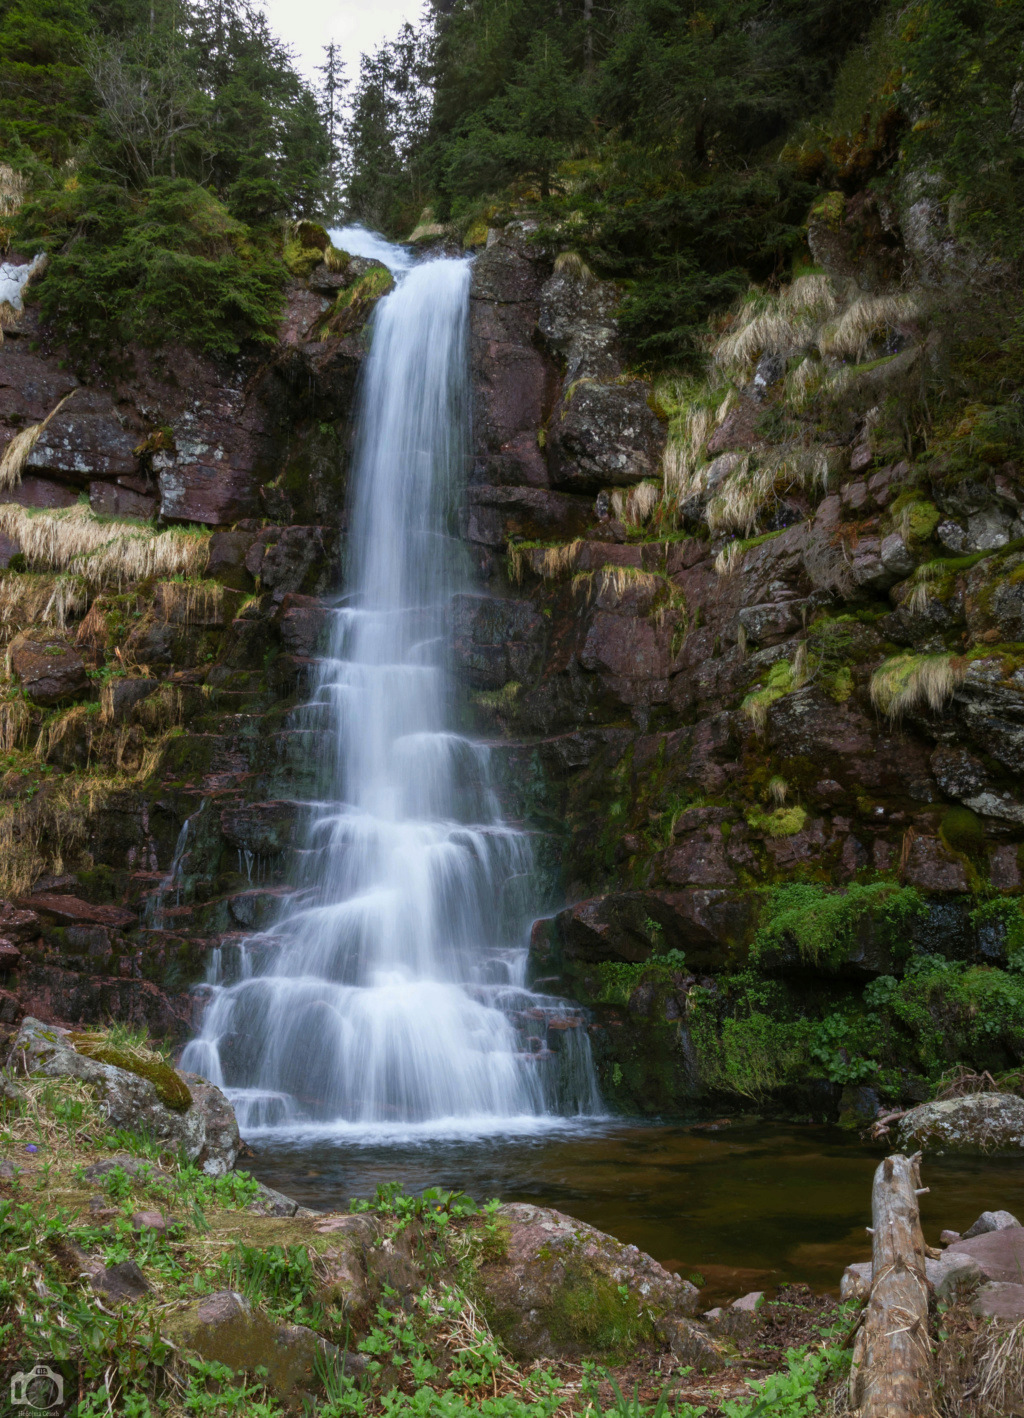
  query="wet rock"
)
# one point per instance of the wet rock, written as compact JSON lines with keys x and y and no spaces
{"x":980,"y":1123}
{"x":205,"y":1130}
{"x":113,"y":499}
{"x":494,"y":515}
{"x":305,"y":624}
{"x":999,"y":1300}
{"x":261,"y":828}
{"x":121,"y":1282}
{"x":988,"y":711}
{"x":998,"y":1254}
{"x":605,"y":435}
{"x":494,"y":641}
{"x":226,"y":562}
{"x":930,"y":866}
{"x":70,"y":911}
{"x":564,"y":1289}
{"x":291,"y":559}
{"x":48,"y":667}
{"x":989,"y":1221}
{"x":118,"y":697}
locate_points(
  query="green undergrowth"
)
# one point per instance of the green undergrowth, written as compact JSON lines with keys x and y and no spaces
{"x":755,"y":1036}
{"x":822,"y":925}
{"x":619,"y":978}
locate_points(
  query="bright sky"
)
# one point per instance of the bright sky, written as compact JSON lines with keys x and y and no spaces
{"x":356,"y":26}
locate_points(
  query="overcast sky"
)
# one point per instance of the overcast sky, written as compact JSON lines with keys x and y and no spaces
{"x":356,"y":26}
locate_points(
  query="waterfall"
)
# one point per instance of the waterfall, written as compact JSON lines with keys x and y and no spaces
{"x":391,"y":992}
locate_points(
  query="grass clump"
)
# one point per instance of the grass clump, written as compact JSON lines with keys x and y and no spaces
{"x":908,"y":682}
{"x":104,"y":553}
{"x":780,"y":822}
{"x":783,"y":678}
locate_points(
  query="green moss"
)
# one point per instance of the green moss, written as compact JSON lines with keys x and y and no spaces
{"x":597,"y":1316}
{"x":170,"y":1089}
{"x":962,"y":831}
{"x":783,"y":822}
{"x":822,"y":923}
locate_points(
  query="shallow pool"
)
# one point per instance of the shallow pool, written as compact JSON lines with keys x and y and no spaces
{"x":747,"y":1206}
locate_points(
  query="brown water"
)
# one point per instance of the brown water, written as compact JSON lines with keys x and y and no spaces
{"x":746,"y":1207}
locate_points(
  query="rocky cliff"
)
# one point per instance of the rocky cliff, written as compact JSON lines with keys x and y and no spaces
{"x":750,"y":644}
{"x":755,"y":644}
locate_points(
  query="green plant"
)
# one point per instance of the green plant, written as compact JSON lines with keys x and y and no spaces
{"x":822,"y":923}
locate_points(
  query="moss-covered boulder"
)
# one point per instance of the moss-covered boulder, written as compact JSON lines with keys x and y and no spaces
{"x":560,"y":1288}
{"x":137,"y":1090}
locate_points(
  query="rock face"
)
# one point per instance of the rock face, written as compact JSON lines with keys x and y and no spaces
{"x":205,"y":1130}
{"x":563,"y":1288}
{"x":48,"y":667}
{"x":979,"y":1123}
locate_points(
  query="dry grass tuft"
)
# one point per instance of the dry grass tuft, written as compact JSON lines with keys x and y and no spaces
{"x":777,"y":324}
{"x":104,"y":553}
{"x":13,"y":187}
{"x":908,"y":682}
{"x":19,"y":450}
{"x":571,"y":263}
{"x":336,"y":261}
{"x":778,"y":790}
{"x":757,"y":484}
{"x":15,"y":724}
{"x":550,"y":563}
{"x":728,"y":559}
{"x":869,"y":319}
{"x":614,"y":581}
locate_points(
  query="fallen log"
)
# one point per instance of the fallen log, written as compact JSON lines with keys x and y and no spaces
{"x":891,"y":1375}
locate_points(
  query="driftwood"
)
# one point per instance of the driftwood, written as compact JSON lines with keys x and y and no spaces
{"x":892,"y":1359}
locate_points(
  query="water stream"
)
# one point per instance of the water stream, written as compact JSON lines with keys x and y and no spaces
{"x":390,"y":996}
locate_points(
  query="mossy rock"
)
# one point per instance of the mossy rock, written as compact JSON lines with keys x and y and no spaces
{"x":172,"y":1091}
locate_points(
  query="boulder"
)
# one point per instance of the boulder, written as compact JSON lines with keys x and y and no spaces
{"x":205,"y":1130}
{"x":999,"y":1300}
{"x":986,"y":1222}
{"x":980,"y":1123}
{"x":121,"y":1282}
{"x":948,"y":1275}
{"x":118,"y":697}
{"x":224,"y":1329}
{"x":605,"y":435}
{"x":999,"y":1255}
{"x":226,"y":562}
{"x":49,"y":668}
{"x":564,"y":1289}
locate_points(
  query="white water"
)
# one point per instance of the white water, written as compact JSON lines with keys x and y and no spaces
{"x":390,"y":996}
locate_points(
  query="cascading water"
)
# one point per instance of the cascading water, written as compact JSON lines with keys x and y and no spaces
{"x":391,"y":992}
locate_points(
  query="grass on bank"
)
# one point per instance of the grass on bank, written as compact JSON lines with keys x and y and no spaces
{"x":433,"y":1358}
{"x":105,"y":553}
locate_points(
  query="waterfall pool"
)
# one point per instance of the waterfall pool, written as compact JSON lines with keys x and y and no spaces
{"x":747,"y":1207}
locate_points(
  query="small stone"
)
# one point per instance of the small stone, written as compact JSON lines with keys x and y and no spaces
{"x":8,"y":1171}
{"x":1000,"y":1254}
{"x":989,"y":1221}
{"x":273,"y":1203}
{"x":124,"y":1281}
{"x":154,"y":1221}
{"x":946,"y":1238}
{"x":999,"y":1300}
{"x":691,"y":1343}
{"x":222,"y":1306}
{"x":131,"y":1166}
{"x":749,"y":1303}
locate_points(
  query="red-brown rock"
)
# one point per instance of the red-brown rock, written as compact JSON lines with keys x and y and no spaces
{"x":71,"y":911}
{"x":49,"y":668}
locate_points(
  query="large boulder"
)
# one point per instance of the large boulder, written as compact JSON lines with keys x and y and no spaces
{"x":982,"y":1122}
{"x":605,"y":435}
{"x":181,"y":1110}
{"x":563,"y":1289}
{"x":48,"y":667}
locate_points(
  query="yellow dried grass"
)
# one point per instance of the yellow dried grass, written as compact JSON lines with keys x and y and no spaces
{"x":868,"y":319}
{"x":908,"y":682}
{"x":104,"y":553}
{"x":728,"y":559}
{"x":571,"y":263}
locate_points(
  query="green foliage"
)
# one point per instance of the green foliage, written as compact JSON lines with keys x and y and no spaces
{"x":619,"y":978}
{"x":167,"y":264}
{"x":822,"y":924}
{"x":280,"y":1277}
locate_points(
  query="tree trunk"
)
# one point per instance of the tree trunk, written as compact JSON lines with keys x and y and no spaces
{"x":892,"y":1359}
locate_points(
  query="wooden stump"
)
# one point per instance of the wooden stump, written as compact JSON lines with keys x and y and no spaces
{"x":892,"y":1358}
